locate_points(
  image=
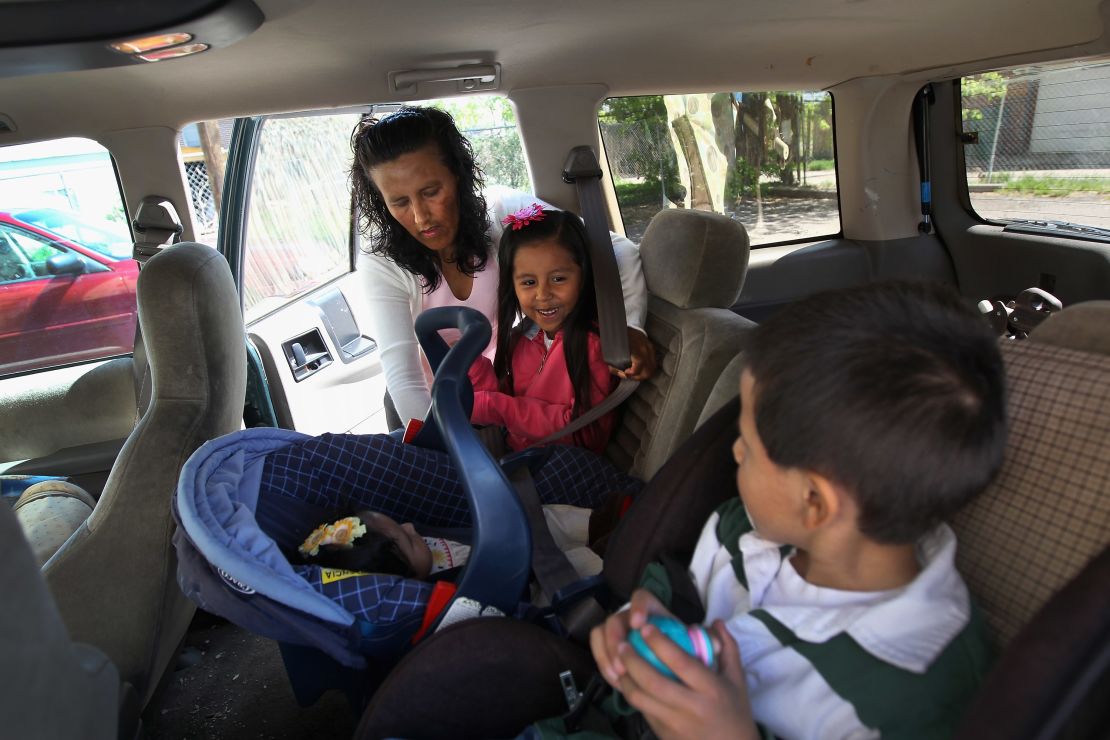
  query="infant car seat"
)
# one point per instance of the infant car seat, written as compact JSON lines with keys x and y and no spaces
{"x":491,"y":690}
{"x":231,"y":565}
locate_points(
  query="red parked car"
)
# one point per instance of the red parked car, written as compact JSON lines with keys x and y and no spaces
{"x":67,"y":289}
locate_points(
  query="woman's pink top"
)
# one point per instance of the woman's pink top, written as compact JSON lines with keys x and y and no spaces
{"x":483,"y":298}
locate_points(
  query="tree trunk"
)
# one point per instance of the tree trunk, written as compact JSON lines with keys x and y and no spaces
{"x":214,"y":158}
{"x":700,"y":199}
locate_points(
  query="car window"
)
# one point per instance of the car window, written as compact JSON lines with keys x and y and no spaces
{"x":30,"y":254}
{"x":67,"y":280}
{"x":489,"y":123}
{"x":203,"y":146}
{"x":299,"y":223}
{"x":108,"y":238}
{"x":766,"y":159}
{"x":1035,"y":144}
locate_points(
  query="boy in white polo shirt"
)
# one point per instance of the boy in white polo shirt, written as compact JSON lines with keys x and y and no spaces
{"x":868,"y":416}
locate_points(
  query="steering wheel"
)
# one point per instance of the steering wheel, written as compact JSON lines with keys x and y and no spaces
{"x":501,"y":556}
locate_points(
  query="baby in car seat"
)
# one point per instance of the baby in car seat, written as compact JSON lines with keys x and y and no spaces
{"x":371,"y":542}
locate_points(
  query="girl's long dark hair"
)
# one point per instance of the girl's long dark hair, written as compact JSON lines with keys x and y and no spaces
{"x":567,"y":229}
{"x":378,"y":140}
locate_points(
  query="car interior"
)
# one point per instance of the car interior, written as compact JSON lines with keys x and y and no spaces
{"x":756,"y":153}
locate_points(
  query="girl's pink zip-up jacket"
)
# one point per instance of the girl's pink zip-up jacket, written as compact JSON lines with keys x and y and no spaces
{"x":543,"y":397}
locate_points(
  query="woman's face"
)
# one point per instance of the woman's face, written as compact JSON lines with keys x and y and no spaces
{"x":422,"y":194}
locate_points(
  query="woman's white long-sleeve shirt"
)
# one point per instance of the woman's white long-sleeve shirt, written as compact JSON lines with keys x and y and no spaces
{"x":394,"y":298}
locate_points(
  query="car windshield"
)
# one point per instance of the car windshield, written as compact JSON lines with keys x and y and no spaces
{"x":111,"y":240}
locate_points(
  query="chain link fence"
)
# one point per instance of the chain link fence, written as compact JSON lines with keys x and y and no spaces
{"x":204,"y":201}
{"x":1038,"y":142}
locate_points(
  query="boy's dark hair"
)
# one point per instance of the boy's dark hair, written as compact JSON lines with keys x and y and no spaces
{"x":568,"y":230}
{"x":378,"y":140}
{"x":895,"y":391}
{"x":373,"y":552}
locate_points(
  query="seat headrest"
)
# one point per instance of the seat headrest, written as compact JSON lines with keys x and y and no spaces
{"x":192,"y":327}
{"x":1081,"y":326}
{"x":695,"y":259}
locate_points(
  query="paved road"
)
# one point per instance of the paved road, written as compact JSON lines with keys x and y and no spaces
{"x":784,"y":219}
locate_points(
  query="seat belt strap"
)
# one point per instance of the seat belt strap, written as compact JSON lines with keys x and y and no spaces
{"x":550,"y":565}
{"x":610,"y":402}
{"x":583,"y":170}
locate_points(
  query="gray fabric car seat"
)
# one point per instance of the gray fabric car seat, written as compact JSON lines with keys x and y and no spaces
{"x":52,"y":687}
{"x":694,"y":265}
{"x":114,"y":578}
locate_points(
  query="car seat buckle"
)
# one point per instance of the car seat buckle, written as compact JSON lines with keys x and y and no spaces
{"x":570,"y":689}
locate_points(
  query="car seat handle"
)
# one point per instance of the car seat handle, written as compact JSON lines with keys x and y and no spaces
{"x":501,"y":555}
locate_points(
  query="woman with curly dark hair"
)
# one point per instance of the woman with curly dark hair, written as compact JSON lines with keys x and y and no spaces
{"x":432,"y":226}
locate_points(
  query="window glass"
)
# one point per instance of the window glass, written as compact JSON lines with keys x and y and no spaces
{"x":1038,"y":143}
{"x":765,"y":159}
{"x":203,"y":148}
{"x":67,"y":280}
{"x":299,"y":225}
{"x":489,"y":123}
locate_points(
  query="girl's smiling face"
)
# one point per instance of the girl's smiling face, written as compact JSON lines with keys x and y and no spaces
{"x":547,"y":282}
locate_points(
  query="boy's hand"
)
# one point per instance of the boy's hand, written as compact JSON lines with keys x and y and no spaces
{"x":606,"y":638}
{"x":704,"y":705}
{"x":642,"y":353}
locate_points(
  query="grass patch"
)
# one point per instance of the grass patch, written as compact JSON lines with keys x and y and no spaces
{"x":1054,"y":186}
{"x":638,"y":193}
{"x":820,"y":164}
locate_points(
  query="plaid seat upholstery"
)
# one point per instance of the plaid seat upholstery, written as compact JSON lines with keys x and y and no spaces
{"x":1047,"y":513}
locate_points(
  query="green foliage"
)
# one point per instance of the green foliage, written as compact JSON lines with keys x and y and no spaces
{"x":1055,"y":186}
{"x":489,"y":122}
{"x":638,"y":193}
{"x":637,"y":131}
{"x":979,"y":93}
{"x":820,"y":164}
{"x":648,"y":108}
{"x":117,"y":215}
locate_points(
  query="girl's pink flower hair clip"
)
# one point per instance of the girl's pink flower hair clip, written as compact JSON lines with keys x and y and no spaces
{"x":523,"y":217}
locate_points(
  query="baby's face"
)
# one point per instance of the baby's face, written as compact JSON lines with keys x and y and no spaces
{"x":412,"y":546}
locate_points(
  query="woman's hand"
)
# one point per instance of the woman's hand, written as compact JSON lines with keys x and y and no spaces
{"x":706,"y":704}
{"x":642,"y":353}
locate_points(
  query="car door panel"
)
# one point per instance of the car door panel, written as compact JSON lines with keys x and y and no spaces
{"x":340,"y":391}
{"x":56,"y":320}
{"x":68,"y":421}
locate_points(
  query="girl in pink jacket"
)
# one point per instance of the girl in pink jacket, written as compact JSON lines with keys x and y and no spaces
{"x":548,"y":368}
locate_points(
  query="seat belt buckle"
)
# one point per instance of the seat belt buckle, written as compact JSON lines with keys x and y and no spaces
{"x":570,"y":690}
